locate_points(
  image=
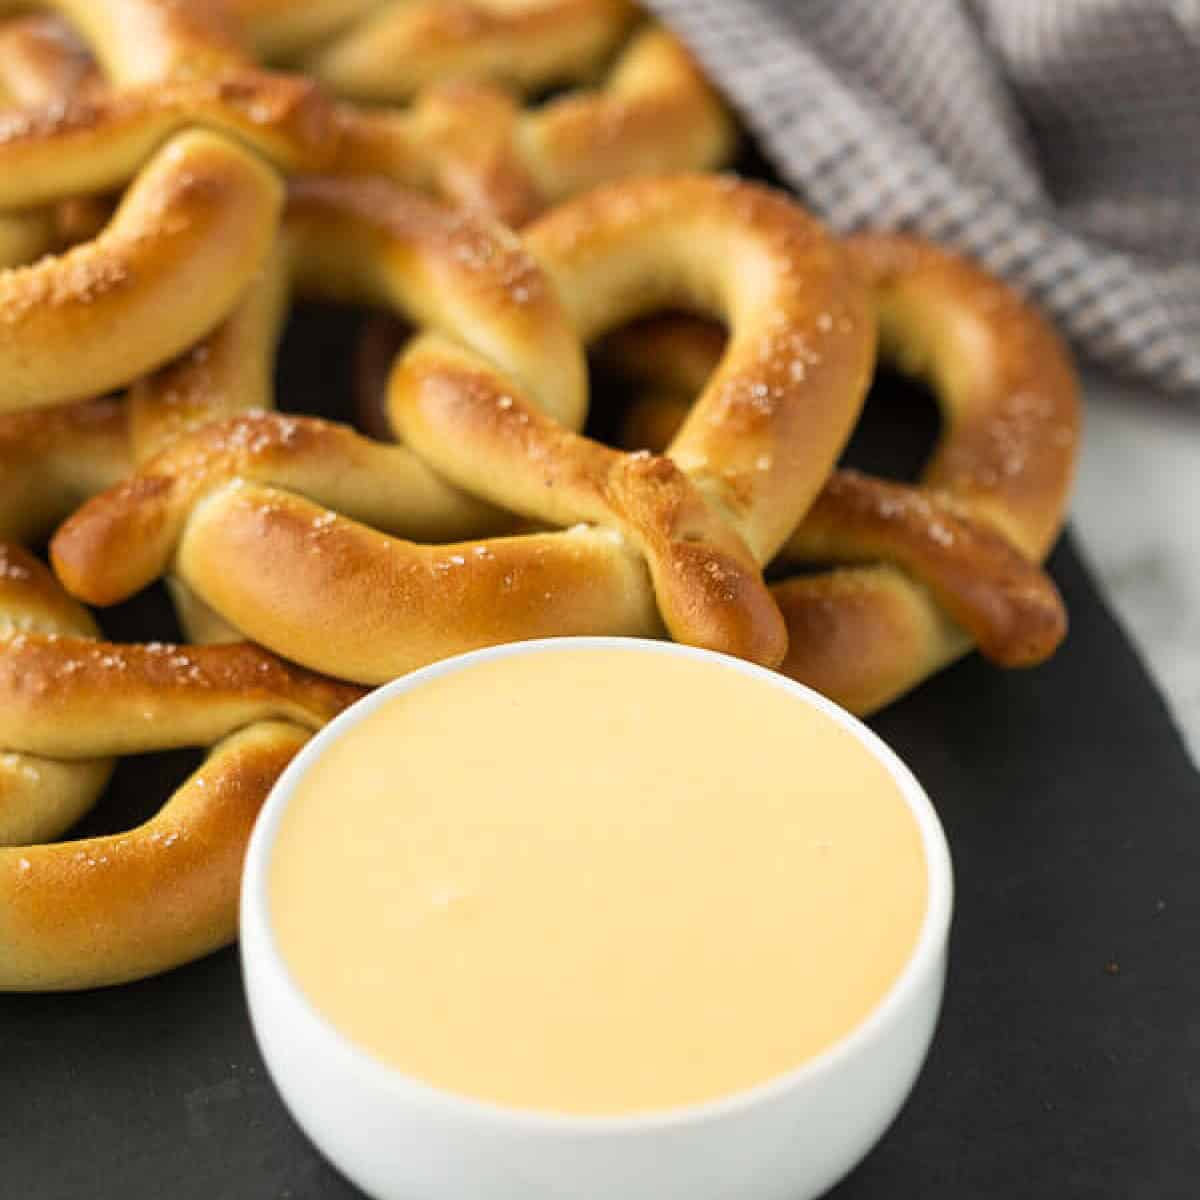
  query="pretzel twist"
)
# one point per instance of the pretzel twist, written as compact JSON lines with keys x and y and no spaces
{"x":80,"y":914}
{"x":41,"y":61}
{"x":51,"y":460}
{"x":109,"y":909}
{"x":636,"y":104}
{"x":199,"y":219}
{"x":281,"y":31}
{"x":927,"y":570}
{"x":649,"y":542}
{"x":387,"y":52}
{"x":473,"y":143}
{"x":40,"y":797}
{"x":147,"y":41}
{"x":183,"y":245}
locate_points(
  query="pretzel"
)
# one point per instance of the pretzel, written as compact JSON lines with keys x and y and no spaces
{"x":649,"y":544}
{"x":653,"y":114}
{"x":638,"y":105}
{"x":183,"y":244}
{"x":198,"y":220}
{"x":947,"y":563}
{"x":109,"y":909}
{"x":280,"y":31}
{"x":472,"y":143}
{"x":41,"y":61}
{"x":51,"y":460}
{"x":148,"y":41}
{"x":387,"y":52}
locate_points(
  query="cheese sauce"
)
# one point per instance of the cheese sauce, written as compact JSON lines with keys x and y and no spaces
{"x":596,"y":881}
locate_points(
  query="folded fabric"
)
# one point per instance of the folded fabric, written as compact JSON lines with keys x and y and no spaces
{"x":1057,"y":143}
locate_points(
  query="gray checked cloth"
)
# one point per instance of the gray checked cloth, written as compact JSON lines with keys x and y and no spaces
{"x":1057,"y":141}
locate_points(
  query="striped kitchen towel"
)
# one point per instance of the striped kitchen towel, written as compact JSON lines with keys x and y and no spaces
{"x":1057,"y":141}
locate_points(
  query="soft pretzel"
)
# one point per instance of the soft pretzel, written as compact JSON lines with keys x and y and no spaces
{"x":51,"y":460}
{"x":147,"y":41}
{"x":197,"y":223}
{"x":367,"y":241}
{"x":280,"y":31}
{"x":230,"y":371}
{"x":42,"y":61}
{"x":391,"y":51}
{"x":472,"y":142}
{"x":108,"y":909}
{"x":186,"y":240}
{"x":949,"y":562}
{"x":654,"y":114}
{"x":650,"y":542}
{"x":637,"y":104}
{"x":66,"y":452}
{"x":40,"y":797}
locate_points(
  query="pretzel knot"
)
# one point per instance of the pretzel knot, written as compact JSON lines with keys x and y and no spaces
{"x":472,"y":70}
{"x":468,"y":137}
{"x":192,"y":231}
{"x":108,"y":909}
{"x":491,"y":395}
{"x":925,"y":571}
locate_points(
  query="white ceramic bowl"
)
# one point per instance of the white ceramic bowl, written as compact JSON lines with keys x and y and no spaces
{"x":399,"y":1139}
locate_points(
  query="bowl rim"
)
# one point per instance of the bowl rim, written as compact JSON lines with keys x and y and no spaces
{"x":924,"y":958}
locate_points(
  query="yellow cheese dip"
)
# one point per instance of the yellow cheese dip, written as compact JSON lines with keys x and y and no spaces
{"x":596,"y":881}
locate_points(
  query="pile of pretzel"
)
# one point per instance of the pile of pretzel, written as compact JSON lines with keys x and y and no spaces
{"x":174,"y":172}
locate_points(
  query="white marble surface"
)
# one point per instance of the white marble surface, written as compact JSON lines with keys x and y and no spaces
{"x":1136,"y":508}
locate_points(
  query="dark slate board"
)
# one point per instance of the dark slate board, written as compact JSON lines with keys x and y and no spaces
{"x":1067,"y":1061}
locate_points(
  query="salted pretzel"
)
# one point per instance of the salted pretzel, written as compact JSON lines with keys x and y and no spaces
{"x":103,"y":910}
{"x":281,"y":31}
{"x":80,"y":914}
{"x":188,"y":237}
{"x":40,"y":62}
{"x":637,"y":104}
{"x":470,"y":141}
{"x":183,"y":245}
{"x":198,"y":221}
{"x":385,"y":51}
{"x":941,"y":565}
{"x":148,"y":41}
{"x":41,"y":59}
{"x":51,"y":460}
{"x":650,"y":544}
{"x":108,"y":909}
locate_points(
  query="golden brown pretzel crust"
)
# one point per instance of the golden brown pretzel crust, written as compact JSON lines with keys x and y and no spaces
{"x":468,"y":137}
{"x":145,"y":41}
{"x":41,"y":60}
{"x":182,"y":246}
{"x":281,"y":30}
{"x":108,"y":909}
{"x":51,"y":460}
{"x":41,"y":797}
{"x":195,"y":227}
{"x":112,"y":909}
{"x":493,"y":402}
{"x":398,"y":49}
{"x":950,"y":562}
